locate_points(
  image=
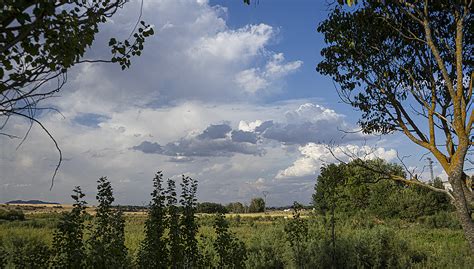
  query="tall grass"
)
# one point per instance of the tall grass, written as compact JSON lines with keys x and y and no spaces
{"x":365,"y":242}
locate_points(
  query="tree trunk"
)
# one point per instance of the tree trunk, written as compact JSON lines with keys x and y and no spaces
{"x":462,"y":207}
{"x":467,"y":187}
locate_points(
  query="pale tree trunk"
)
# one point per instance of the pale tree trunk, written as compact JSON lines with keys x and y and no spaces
{"x":468,"y":189}
{"x":462,"y":205}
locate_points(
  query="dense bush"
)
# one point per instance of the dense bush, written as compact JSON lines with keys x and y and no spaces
{"x":378,"y":247}
{"x":27,"y":253}
{"x":11,"y":214}
{"x":267,"y":249}
{"x":381,"y":248}
{"x":440,"y":220}
{"x":209,"y":257}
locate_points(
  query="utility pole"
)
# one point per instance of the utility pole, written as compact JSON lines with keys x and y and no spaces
{"x":265,"y":193}
{"x":430,"y":164}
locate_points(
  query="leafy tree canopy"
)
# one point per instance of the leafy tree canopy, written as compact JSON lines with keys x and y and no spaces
{"x":257,"y":205}
{"x":41,"y":40}
{"x":408,"y":67}
{"x":354,"y":189}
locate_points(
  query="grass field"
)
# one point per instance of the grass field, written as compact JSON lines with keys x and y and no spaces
{"x":266,"y":241}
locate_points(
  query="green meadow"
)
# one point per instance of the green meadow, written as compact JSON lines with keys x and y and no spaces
{"x":362,"y":242}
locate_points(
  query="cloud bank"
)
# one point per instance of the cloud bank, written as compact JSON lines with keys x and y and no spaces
{"x":195,"y":102}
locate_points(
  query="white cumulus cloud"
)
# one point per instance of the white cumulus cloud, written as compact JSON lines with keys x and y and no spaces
{"x":255,"y":79}
{"x":313,"y":156}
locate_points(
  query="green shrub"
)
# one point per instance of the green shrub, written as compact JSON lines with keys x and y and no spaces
{"x":3,"y":256}
{"x":230,"y":250}
{"x":27,"y":253}
{"x":381,"y":248}
{"x":324,"y":255}
{"x":441,"y":219}
{"x":296,"y":230}
{"x":267,"y":249}
{"x":11,"y":214}
{"x":264,"y":257}
{"x":208,"y":253}
{"x":205,"y":220}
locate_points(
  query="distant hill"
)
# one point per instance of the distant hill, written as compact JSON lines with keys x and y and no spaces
{"x":31,"y":202}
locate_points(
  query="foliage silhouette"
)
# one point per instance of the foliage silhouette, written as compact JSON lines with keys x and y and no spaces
{"x":68,"y":248}
{"x":106,"y":245}
{"x":175,"y":245}
{"x":189,"y":226}
{"x":153,"y":252}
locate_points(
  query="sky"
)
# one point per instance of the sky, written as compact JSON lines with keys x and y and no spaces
{"x":223,"y":92}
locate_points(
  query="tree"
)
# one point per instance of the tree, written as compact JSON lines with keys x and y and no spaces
{"x":153,"y":252}
{"x":358,"y":190}
{"x":211,"y":208}
{"x":236,"y":207}
{"x":41,"y":40}
{"x":68,"y":247}
{"x":189,"y":226}
{"x":106,"y":244}
{"x":325,"y":199}
{"x":257,"y":205}
{"x":175,"y":245}
{"x":408,"y":67}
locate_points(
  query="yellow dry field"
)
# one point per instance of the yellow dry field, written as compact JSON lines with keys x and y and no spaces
{"x":40,"y":208}
{"x":58,"y":208}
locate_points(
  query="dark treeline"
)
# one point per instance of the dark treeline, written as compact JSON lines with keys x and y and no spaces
{"x":256,"y":205}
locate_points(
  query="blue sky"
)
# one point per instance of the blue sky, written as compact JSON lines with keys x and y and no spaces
{"x":224,"y":92}
{"x":298,"y":38}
